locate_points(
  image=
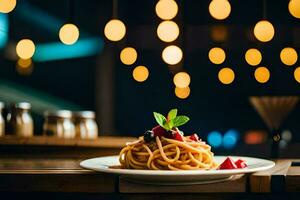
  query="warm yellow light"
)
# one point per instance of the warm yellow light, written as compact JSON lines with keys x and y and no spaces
{"x":114,"y":30}
{"x":294,"y":8}
{"x":25,"y":48}
{"x":216,"y":55}
{"x":140,"y":73}
{"x":167,"y":31}
{"x":128,"y":56}
{"x":262,"y":74}
{"x":219,"y":9}
{"x":24,"y":63}
{"x":226,"y":75}
{"x":68,"y":34}
{"x":7,"y":6}
{"x":182,"y":93}
{"x":264,"y":31}
{"x":297,"y":74}
{"x":182,"y":80}
{"x":24,"y":66}
{"x":166,"y":9}
{"x":253,"y":57}
{"x":172,"y":55}
{"x":288,"y":56}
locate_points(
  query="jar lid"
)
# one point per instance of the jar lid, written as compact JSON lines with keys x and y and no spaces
{"x":21,"y":105}
{"x":1,"y":105}
{"x":58,"y":114}
{"x":84,"y":114}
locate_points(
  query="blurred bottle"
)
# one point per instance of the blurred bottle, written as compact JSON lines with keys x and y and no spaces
{"x":2,"y":121}
{"x":59,"y":123}
{"x":19,"y":120}
{"x":85,"y":124}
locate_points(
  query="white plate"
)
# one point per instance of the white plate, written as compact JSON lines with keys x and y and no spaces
{"x":183,"y":177}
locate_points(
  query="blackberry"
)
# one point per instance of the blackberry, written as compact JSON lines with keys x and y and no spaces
{"x":148,"y":136}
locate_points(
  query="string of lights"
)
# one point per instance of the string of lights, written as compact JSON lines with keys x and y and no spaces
{"x":168,"y":31}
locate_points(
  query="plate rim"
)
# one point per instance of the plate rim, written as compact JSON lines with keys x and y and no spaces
{"x":176,"y":173}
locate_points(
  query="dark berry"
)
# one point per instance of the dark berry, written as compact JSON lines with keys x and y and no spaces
{"x":169,"y":134}
{"x":159,"y":131}
{"x":148,"y":136}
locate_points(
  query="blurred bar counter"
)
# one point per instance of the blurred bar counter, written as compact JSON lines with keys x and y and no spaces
{"x":53,"y":147}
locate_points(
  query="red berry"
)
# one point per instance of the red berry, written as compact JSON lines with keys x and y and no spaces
{"x":177,"y":136}
{"x":194,"y":137}
{"x":228,"y":164}
{"x":240,"y":163}
{"x":159,"y":131}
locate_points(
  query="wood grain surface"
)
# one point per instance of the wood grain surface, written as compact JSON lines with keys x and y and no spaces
{"x":265,"y":181}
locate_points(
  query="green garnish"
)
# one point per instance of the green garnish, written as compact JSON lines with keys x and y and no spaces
{"x":172,"y":119}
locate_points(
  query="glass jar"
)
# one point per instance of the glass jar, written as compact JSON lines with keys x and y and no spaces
{"x":19,"y":120}
{"x":85,"y":124}
{"x":2,"y":122}
{"x":59,"y":123}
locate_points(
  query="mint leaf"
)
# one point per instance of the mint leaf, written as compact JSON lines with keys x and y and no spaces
{"x":167,"y":126}
{"x":172,"y":114}
{"x":180,"y":120}
{"x":160,"y":119}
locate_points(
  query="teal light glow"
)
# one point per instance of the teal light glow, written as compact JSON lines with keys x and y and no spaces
{"x":40,"y":18}
{"x":33,"y":15}
{"x":214,"y":138}
{"x":58,"y":51}
{"x":3,"y":30}
{"x":230,"y":138}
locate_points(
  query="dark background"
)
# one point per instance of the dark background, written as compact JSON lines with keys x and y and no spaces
{"x":211,"y":105}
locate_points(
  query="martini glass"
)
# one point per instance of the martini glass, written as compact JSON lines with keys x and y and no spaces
{"x":274,"y":110}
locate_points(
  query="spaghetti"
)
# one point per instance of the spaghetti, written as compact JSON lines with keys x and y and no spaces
{"x":167,"y":154}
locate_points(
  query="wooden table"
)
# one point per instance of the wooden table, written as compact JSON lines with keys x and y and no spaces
{"x":44,"y":167}
{"x":36,"y":175}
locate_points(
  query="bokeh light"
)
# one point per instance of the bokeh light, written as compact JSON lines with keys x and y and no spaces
{"x":255,"y":137}
{"x":68,"y":34}
{"x":182,"y":80}
{"x":297,"y":74}
{"x":25,"y":48}
{"x":166,"y":9}
{"x":216,"y":55}
{"x":288,"y":56}
{"x":262,"y":74}
{"x":214,"y":139}
{"x":230,"y":138}
{"x":167,"y":31}
{"x":114,"y":30}
{"x":140,"y":73}
{"x":264,"y":31}
{"x":128,"y":56}
{"x":286,"y":135}
{"x":294,"y":8}
{"x":7,"y":6}
{"x":24,"y":63}
{"x":219,"y":9}
{"x":253,"y":57}
{"x":182,"y":93}
{"x":172,"y":55}
{"x":24,"y":67}
{"x":226,"y":75}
